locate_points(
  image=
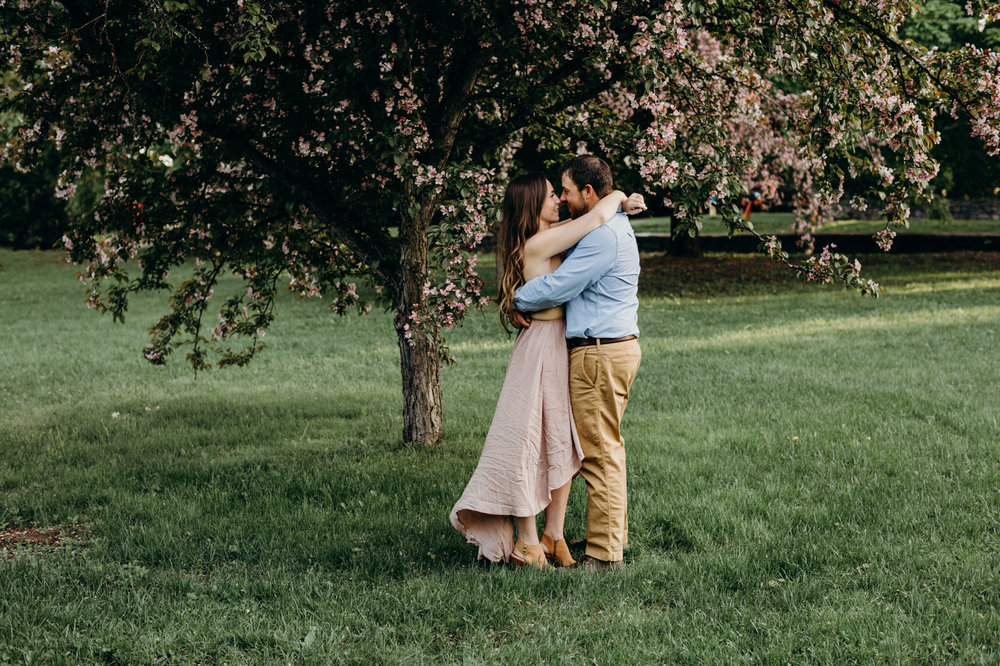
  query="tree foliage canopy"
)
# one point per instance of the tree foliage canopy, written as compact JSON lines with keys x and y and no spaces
{"x":323,"y":142}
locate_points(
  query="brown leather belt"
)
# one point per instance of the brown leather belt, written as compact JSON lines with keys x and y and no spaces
{"x":573,"y":343}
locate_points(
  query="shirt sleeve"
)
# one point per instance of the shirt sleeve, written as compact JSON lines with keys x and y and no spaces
{"x":589,"y":261}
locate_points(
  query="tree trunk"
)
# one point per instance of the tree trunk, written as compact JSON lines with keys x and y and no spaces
{"x":418,"y":347}
{"x":422,"y":418}
{"x":682,"y":245}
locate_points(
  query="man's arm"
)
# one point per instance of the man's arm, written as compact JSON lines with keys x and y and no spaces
{"x":593,"y":256}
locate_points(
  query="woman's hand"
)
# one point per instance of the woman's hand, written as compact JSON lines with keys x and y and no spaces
{"x":634,"y":205}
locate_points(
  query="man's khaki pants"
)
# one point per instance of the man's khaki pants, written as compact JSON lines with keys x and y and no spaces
{"x":599,"y":381}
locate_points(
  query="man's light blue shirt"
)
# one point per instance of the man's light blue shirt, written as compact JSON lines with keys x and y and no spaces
{"x":598,"y":282}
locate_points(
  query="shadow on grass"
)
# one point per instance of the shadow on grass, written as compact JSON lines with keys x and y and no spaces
{"x":733,"y":275}
{"x":204,"y":481}
{"x":665,"y":535}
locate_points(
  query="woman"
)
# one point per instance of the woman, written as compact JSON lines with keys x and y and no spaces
{"x":531,"y":452}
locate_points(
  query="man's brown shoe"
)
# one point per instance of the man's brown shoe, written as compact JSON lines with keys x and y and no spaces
{"x":593,"y":564}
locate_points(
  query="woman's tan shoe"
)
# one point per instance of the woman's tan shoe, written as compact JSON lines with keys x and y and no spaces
{"x":532,"y":556}
{"x":557,"y":551}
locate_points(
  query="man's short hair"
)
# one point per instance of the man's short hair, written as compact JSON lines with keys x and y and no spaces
{"x":590,"y":170}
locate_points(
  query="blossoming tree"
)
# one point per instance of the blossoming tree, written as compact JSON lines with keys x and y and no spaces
{"x":319,"y":144}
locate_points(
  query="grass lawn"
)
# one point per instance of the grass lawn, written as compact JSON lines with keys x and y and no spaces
{"x":781,"y":223}
{"x":814,"y":477}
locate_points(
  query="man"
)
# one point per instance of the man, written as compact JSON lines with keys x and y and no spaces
{"x":598,"y":282}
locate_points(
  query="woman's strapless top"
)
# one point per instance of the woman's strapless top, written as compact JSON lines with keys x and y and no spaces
{"x":548,"y":315}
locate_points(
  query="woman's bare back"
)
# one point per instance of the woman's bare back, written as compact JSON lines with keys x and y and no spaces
{"x":536,"y":267}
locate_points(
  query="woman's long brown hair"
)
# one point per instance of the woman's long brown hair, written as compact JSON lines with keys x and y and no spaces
{"x":522,"y":206}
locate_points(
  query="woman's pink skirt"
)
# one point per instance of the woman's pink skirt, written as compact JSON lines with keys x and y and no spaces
{"x":531,"y":448}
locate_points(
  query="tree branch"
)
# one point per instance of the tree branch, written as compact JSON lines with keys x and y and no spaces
{"x":900,"y":48}
{"x":317,"y":203}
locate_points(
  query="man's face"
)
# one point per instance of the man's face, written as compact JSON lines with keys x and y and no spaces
{"x":572,"y":197}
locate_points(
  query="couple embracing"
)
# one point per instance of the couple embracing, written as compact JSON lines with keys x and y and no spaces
{"x":567,"y":384}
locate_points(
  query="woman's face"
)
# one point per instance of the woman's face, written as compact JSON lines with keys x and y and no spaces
{"x":550,"y":208}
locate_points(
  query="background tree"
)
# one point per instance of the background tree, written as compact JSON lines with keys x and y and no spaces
{"x":30,"y":214}
{"x":34,"y":213}
{"x":328,"y":143}
{"x":967,"y":169}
